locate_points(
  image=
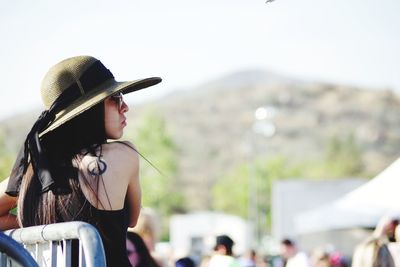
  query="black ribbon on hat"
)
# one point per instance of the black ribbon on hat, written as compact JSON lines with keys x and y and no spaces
{"x":32,"y":152}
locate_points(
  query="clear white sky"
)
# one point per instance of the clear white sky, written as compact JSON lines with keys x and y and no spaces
{"x":189,"y":42}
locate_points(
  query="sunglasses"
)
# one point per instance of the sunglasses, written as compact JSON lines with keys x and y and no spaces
{"x":118,"y":99}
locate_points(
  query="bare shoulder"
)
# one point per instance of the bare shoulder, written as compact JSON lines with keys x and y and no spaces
{"x":121,"y":156}
{"x":120,"y":163}
{"x":123,"y":149}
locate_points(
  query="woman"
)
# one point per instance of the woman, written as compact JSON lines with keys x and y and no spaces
{"x":66,"y":169}
{"x":374,"y":251}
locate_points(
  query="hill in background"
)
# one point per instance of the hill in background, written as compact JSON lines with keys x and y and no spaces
{"x":212,"y":124}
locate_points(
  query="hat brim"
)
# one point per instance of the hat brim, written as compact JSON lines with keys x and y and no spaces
{"x":97,"y":95}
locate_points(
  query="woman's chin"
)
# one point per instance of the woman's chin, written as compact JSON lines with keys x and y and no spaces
{"x":114,"y":136}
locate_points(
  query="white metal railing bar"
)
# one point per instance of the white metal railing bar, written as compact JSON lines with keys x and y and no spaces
{"x":91,"y":251}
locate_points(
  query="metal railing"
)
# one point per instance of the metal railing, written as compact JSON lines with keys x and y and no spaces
{"x":51,"y":245}
{"x":13,"y":253}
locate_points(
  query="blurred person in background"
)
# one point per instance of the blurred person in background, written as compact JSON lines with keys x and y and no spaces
{"x":252,"y":259}
{"x":223,"y":253}
{"x":249,"y":259}
{"x":138,"y":253}
{"x":374,"y":251}
{"x":205,"y":260}
{"x":185,"y":262}
{"x":337,"y":259}
{"x":391,"y":231}
{"x":394,"y":247}
{"x":148,"y":228}
{"x":291,"y":256}
{"x":320,"y":258}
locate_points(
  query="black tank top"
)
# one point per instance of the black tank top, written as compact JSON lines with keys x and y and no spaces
{"x":112,"y":226}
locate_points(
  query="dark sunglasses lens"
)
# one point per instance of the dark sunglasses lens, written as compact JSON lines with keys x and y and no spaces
{"x":118,"y":100}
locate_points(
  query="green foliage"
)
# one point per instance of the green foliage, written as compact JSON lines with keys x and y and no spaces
{"x":247,"y":188}
{"x":230,"y":192}
{"x":250,"y":185}
{"x":343,"y":158}
{"x":158,"y":189}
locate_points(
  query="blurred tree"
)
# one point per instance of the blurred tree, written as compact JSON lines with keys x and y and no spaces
{"x":159,"y":191}
{"x":342,"y":159}
{"x":233,"y":192}
{"x":343,"y":156}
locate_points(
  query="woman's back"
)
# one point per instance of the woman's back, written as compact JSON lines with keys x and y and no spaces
{"x":101,"y":200}
{"x":120,"y":163}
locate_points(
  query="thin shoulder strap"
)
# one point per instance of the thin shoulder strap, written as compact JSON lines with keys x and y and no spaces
{"x":148,"y":161}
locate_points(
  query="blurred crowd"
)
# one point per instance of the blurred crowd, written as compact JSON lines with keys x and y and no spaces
{"x":380,"y":249}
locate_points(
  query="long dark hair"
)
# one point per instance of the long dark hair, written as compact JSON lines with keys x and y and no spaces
{"x":62,"y":147}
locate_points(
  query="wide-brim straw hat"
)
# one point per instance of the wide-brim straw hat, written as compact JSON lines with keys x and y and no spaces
{"x":85,"y":81}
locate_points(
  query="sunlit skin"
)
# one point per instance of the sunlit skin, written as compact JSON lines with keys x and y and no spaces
{"x":221,"y":250}
{"x":114,"y":118}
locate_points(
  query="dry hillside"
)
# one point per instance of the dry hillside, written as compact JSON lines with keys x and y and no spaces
{"x":212,"y":124}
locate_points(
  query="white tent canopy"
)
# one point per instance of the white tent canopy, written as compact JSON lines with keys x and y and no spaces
{"x":362,"y":207}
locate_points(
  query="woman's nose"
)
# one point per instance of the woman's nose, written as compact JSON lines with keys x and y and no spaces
{"x":124,"y":107}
